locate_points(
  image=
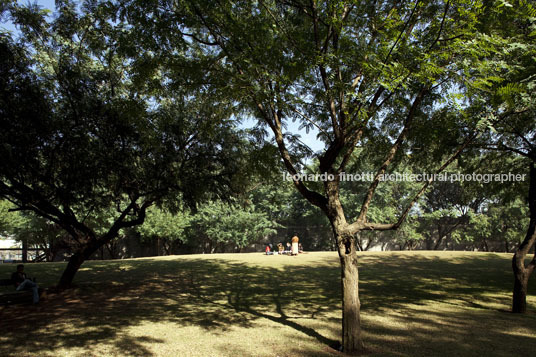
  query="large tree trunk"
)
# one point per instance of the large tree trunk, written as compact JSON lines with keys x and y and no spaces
{"x":89,"y":243}
{"x":519,"y":300}
{"x":352,"y":339}
{"x":521,"y":272}
{"x":77,"y":259}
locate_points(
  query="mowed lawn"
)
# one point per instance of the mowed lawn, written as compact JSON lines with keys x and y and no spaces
{"x":413,"y":304}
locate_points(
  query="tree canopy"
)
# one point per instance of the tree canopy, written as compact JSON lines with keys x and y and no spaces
{"x":85,"y":130}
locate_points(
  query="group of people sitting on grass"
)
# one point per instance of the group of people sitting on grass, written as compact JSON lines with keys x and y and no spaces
{"x":291,"y":249}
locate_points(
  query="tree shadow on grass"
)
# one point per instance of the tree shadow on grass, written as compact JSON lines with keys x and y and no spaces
{"x":214,"y":295}
{"x":433,"y":331}
{"x":473,"y":280}
{"x":239,"y":299}
{"x":217,"y":295}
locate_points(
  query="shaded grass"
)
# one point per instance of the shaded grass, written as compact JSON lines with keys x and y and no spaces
{"x":413,"y":303}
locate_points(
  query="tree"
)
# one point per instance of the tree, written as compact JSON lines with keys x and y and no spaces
{"x":390,"y":198}
{"x":358,"y":73}
{"x":9,"y":221}
{"x":499,"y":227}
{"x":218,"y":224}
{"x":445,"y":210}
{"x":505,"y":94}
{"x":34,"y":231}
{"x":86,"y":131}
{"x":165,"y":226}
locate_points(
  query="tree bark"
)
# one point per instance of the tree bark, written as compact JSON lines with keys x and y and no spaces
{"x":352,"y":338}
{"x":519,"y":299}
{"x":78,"y":258}
{"x":521,"y":272}
{"x":75,"y":261}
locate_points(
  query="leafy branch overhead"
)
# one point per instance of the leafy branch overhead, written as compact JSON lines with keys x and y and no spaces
{"x":87,"y":130}
{"x":353,"y":72}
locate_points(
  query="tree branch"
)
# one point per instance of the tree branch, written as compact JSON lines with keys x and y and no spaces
{"x":401,"y":32}
{"x":35,"y":202}
{"x":312,"y":196}
{"x":390,"y":156}
{"x":447,"y":5}
{"x":360,"y":225}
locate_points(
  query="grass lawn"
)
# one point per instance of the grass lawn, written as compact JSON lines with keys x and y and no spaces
{"x":413,"y":304}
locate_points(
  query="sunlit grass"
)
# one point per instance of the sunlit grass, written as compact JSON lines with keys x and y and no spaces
{"x":413,"y":304}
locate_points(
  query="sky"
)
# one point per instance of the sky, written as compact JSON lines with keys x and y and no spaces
{"x":308,"y":139}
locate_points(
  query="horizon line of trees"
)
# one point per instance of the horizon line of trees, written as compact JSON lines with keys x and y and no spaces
{"x":447,"y":218}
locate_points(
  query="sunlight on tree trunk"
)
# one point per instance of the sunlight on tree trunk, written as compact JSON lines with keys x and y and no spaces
{"x":352,"y":338}
{"x":522,"y":272}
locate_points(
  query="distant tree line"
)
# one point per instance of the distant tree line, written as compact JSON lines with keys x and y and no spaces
{"x":472,"y":216}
